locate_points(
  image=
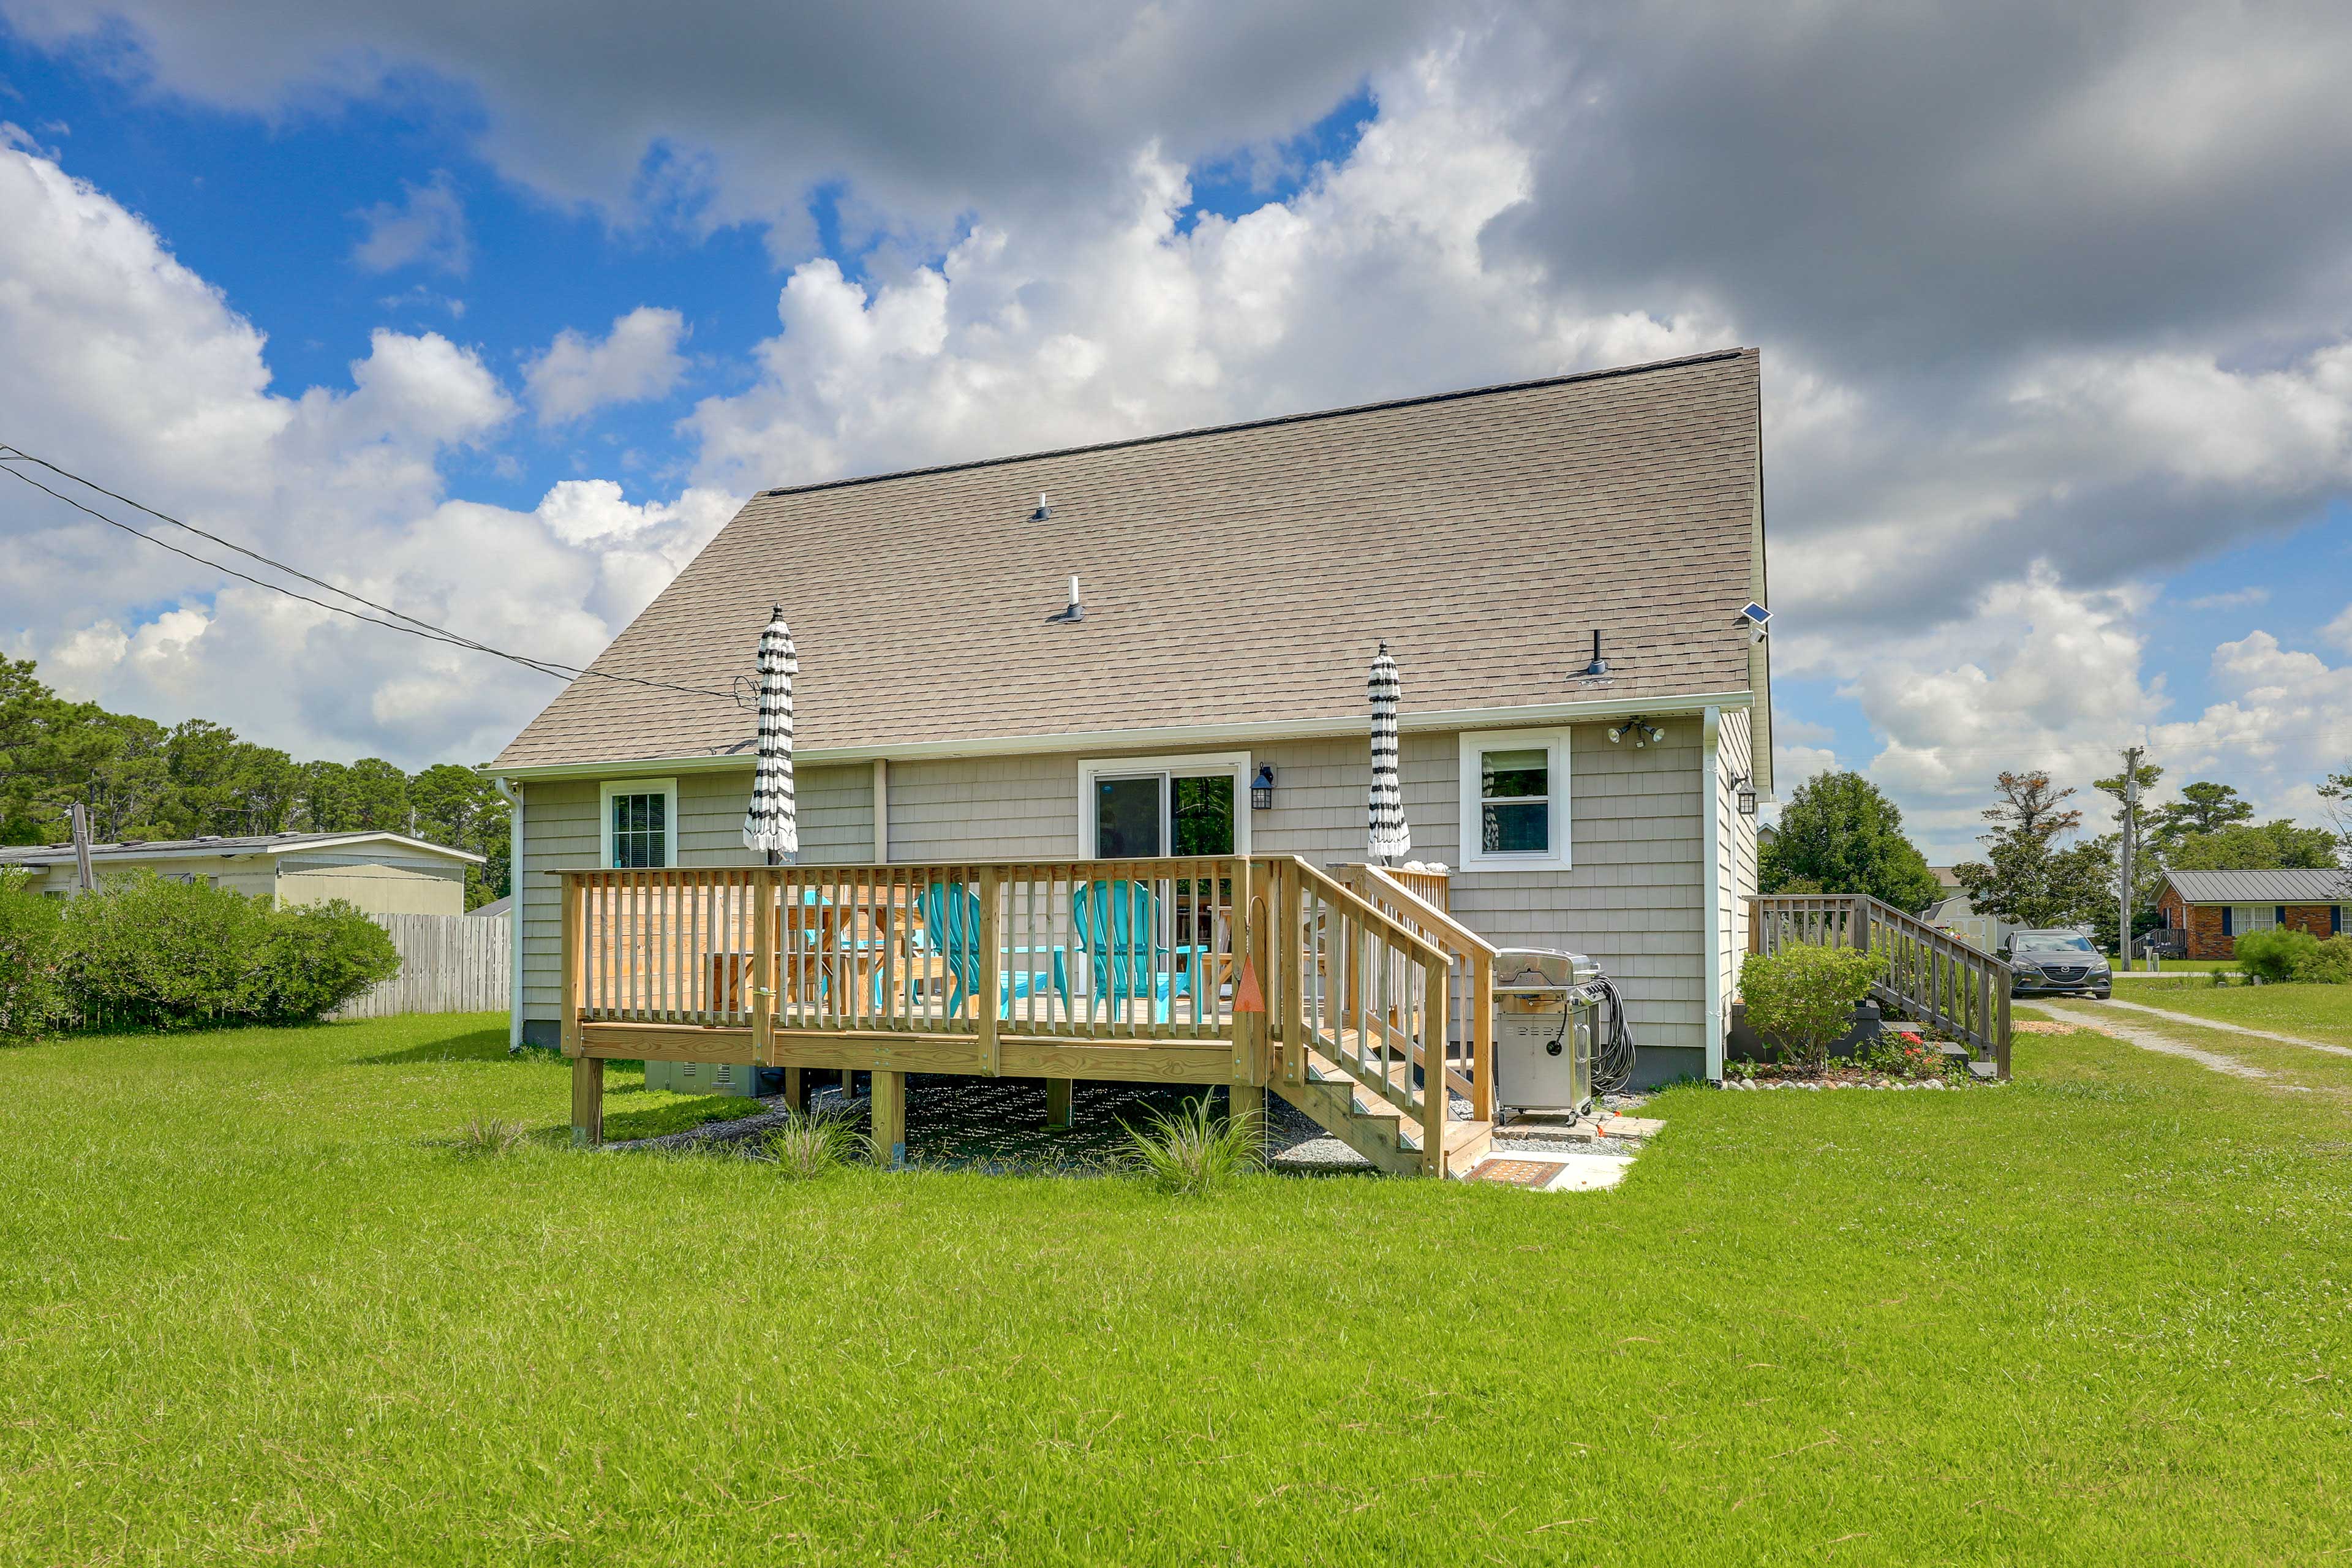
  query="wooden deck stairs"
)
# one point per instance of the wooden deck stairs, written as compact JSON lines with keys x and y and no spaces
{"x":1383,"y":973}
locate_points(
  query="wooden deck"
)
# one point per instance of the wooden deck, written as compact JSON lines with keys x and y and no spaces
{"x":1259,"y":972}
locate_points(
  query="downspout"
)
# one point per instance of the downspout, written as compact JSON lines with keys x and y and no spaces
{"x":1710,"y":809}
{"x":514,"y":913}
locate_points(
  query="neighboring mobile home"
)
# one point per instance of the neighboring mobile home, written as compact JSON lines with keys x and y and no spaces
{"x":1236,"y":584}
{"x":2211,"y":909}
{"x":383,"y":873}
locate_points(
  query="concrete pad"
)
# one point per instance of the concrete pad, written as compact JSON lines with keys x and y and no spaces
{"x":1581,"y":1171}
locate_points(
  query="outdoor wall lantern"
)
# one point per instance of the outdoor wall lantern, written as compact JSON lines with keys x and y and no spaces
{"x":1744,"y":792}
{"x":1262,"y":788}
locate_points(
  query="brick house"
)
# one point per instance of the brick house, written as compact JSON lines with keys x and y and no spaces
{"x":2213,"y":908}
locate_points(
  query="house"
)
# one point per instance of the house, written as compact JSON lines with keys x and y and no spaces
{"x":382,"y":873}
{"x":1953,"y":912}
{"x":2211,"y":909}
{"x":1236,"y":583}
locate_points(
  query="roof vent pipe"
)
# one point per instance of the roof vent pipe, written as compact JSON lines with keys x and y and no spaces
{"x":1074,"y":614}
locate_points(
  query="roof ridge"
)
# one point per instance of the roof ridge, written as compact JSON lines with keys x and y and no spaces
{"x":1710,"y":357}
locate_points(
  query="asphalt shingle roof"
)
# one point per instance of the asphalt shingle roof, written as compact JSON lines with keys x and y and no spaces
{"x":1234,"y":576}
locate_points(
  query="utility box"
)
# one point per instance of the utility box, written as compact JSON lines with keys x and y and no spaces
{"x":708,"y":1078}
{"x":1546,"y":1009}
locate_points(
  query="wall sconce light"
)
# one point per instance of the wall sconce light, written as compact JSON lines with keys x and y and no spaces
{"x":1744,"y":792}
{"x":1262,"y":788}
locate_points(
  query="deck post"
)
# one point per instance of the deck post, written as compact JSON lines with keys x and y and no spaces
{"x":587,"y":1102}
{"x":2001,"y":1039}
{"x":1435,"y":1100}
{"x":573,"y":931}
{"x":795,"y":1091}
{"x":890,"y":1119}
{"x":1248,"y":1101}
{"x":765,"y":977}
{"x":1057,"y":1101}
{"x":991,"y":969}
{"x":1294,"y":977}
{"x":1481,"y":1038}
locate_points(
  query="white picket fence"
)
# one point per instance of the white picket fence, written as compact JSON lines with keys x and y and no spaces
{"x":448,"y":963}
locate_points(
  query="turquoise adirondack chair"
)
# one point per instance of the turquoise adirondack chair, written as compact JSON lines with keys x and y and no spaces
{"x":1117,"y":925}
{"x":951,"y":929}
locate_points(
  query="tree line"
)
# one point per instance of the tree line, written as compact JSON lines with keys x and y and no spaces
{"x":1840,"y":834}
{"x":143,"y":779}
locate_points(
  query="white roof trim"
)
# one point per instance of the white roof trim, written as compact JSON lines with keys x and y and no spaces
{"x":1173,"y":738}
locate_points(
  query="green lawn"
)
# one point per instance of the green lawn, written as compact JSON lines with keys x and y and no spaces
{"x":250,"y":1310}
{"x":2314,"y":1011}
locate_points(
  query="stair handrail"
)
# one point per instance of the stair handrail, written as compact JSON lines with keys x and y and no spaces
{"x":1959,"y":988}
{"x":1430,"y":1105}
{"x":1476,"y":956}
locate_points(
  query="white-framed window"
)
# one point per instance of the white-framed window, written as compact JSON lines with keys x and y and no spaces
{"x":1143,"y":808}
{"x":1515,"y":800}
{"x":2248,"y":917}
{"x":639,"y":818}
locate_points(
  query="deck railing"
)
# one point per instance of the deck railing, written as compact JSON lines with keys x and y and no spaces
{"x":1078,"y":949}
{"x":1930,"y":975}
{"x":1420,"y":901}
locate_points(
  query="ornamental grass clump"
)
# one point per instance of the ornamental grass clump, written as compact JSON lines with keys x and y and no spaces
{"x":1802,"y":999}
{"x":806,"y":1146}
{"x":486,"y":1137}
{"x":1193,"y":1152}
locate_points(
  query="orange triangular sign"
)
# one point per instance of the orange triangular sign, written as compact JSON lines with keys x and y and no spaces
{"x":1247,"y":998}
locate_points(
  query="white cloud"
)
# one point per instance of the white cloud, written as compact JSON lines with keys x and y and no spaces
{"x":637,"y":360}
{"x":2338,"y":632}
{"x":427,"y":227}
{"x":1369,"y":282}
{"x":117,"y":361}
{"x":2234,"y":599}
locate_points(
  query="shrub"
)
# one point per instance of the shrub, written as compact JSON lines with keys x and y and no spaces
{"x":2327,"y":963}
{"x":1192,"y":1152}
{"x":145,"y":953}
{"x":318,"y":956}
{"x":29,"y":998}
{"x":807,"y":1146}
{"x":2272,"y":956}
{"x":1801,"y":998}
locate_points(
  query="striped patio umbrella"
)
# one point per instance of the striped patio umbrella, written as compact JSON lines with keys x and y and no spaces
{"x":1389,"y":838}
{"x":774,"y":822}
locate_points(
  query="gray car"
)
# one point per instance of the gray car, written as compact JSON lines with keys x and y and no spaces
{"x":2049,"y":963}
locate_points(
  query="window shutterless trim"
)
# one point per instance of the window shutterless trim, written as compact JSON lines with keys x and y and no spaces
{"x":609,"y":790}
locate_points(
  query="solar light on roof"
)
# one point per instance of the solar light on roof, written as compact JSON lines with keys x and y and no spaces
{"x":1756,"y":618}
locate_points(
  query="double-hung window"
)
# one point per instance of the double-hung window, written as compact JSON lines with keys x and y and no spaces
{"x":1514,"y":799}
{"x":640,"y":823}
{"x":2246,"y":918}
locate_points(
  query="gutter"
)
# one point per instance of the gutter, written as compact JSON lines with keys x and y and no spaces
{"x":514,"y":914}
{"x":1711,"y":811}
{"x":1165,"y":738}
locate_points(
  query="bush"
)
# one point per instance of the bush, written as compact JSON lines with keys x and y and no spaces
{"x":1801,"y":998}
{"x":144,"y":952}
{"x":29,"y":998}
{"x":1191,"y":1152}
{"x":2272,"y":956}
{"x":320,"y":956}
{"x":2327,"y":963}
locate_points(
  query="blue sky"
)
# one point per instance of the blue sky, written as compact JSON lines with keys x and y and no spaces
{"x":2091,"y":495}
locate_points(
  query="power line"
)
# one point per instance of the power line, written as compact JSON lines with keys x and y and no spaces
{"x":401,"y":622}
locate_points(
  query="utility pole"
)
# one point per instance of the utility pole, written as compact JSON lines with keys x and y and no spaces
{"x":82,"y":845}
{"x":2131,"y":817}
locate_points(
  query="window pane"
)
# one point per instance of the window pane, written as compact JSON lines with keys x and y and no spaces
{"x":1127,"y":818}
{"x":1509,"y":774}
{"x":1203,"y":810}
{"x":1515,"y":830}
